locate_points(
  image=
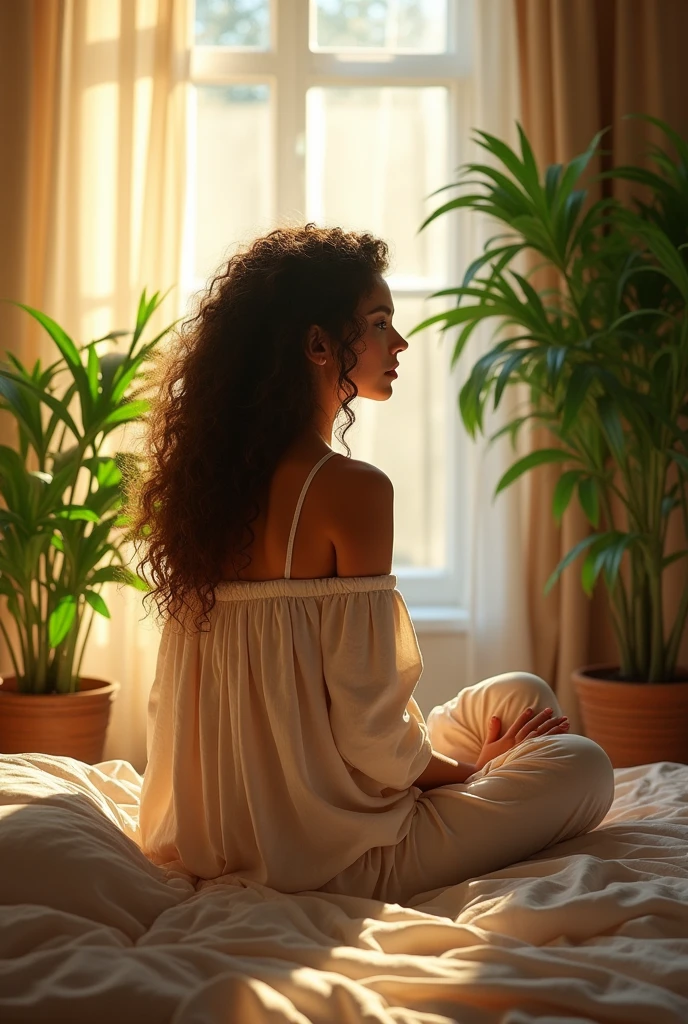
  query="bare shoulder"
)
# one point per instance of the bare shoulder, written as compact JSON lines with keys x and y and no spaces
{"x":359,"y":503}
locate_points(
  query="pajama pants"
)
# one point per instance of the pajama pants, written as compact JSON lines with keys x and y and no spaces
{"x":542,"y":791}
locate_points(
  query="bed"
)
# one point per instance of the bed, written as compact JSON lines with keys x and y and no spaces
{"x":594,"y":929}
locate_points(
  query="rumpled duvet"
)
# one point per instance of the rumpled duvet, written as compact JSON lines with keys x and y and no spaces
{"x":593,"y":929}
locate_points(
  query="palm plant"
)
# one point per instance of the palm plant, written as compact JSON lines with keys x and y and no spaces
{"x":603,"y":356}
{"x":62,"y":530}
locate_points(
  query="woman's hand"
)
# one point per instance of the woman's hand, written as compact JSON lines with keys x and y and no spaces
{"x":523,"y":728}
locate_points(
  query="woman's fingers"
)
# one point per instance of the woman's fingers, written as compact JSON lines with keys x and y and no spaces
{"x":540,"y":725}
{"x":527,"y":722}
{"x":525,"y":718}
{"x":560,"y":724}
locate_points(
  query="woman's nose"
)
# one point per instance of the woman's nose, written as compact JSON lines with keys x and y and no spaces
{"x":400,"y":343}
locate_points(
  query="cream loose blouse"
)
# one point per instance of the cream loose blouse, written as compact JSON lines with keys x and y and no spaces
{"x":284,"y":742}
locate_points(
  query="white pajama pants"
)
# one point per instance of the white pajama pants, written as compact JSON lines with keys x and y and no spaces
{"x":543,"y":791}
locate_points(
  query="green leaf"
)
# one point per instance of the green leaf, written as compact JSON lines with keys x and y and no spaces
{"x":476,"y":201}
{"x":65,"y":458}
{"x":536,"y":458}
{"x":530,"y":174}
{"x":556,"y":357}
{"x":64,"y":343}
{"x":563,"y":491}
{"x":503,"y":152}
{"x":24,"y":404}
{"x":576,"y":392}
{"x":508,"y":374}
{"x":590,"y":571}
{"x":71,"y":356}
{"x":57,"y":405}
{"x":678,"y":140}
{"x":674,"y":557}
{"x":61,"y":620}
{"x":588,"y":496}
{"x":669,"y":503}
{"x":110,"y":363}
{"x":77,"y":513}
{"x":118,"y":574}
{"x":107,"y":574}
{"x":611,"y":424}
{"x":14,"y":482}
{"x":135,"y":581}
{"x":125,"y":413}
{"x":97,"y":603}
{"x":552,"y":176}
{"x":506,"y":252}
{"x":92,"y":372}
{"x":568,"y":559}
{"x":105,"y":470}
{"x":576,"y":167}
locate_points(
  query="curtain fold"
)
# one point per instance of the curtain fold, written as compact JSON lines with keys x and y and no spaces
{"x":583,"y":66}
{"x":93,"y":100}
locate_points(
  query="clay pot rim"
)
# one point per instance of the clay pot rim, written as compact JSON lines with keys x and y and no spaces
{"x":104,"y":686}
{"x":582,"y":675}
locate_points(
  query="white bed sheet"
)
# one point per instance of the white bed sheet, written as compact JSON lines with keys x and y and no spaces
{"x":594,"y":929}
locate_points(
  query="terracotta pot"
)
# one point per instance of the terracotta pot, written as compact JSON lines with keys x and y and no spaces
{"x":636,"y":723}
{"x":71,"y":724}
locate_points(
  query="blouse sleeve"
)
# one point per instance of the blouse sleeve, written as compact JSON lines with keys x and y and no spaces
{"x":372,"y":663}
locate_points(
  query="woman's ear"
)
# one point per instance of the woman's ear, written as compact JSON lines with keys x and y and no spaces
{"x":317,"y":346}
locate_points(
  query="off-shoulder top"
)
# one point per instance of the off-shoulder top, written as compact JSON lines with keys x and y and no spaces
{"x":283,"y":743}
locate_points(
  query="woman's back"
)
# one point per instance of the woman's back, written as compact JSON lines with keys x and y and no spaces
{"x":344,"y":527}
{"x":280,"y":745}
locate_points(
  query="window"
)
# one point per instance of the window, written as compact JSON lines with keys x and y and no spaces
{"x":350,"y":112}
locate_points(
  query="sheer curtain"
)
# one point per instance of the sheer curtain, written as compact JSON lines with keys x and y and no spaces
{"x":95,"y":213}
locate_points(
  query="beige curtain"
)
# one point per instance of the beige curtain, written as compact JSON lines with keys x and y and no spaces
{"x":583,"y":65}
{"x":92,"y":120}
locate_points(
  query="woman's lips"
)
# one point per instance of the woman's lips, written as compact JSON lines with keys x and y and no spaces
{"x":391,"y":373}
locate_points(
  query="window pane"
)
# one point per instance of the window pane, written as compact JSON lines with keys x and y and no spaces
{"x":409,"y":26}
{"x":233,"y":187}
{"x":239,"y":23}
{"x":372,"y":156}
{"x":407,"y":437}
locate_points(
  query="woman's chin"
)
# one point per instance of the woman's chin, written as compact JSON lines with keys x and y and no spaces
{"x":378,"y":392}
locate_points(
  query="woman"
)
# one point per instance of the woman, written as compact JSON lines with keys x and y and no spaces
{"x":285,"y":746}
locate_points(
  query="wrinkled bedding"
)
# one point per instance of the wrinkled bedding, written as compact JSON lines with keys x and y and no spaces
{"x":594,"y":929}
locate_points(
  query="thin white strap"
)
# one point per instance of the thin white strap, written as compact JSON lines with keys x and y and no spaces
{"x":295,"y":521}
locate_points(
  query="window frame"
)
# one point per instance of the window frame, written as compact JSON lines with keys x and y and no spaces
{"x":290,"y":68}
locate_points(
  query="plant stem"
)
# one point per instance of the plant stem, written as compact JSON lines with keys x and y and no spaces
{"x":77,"y":672}
{"x":641,"y":606}
{"x":29,"y":618}
{"x":619,"y":601}
{"x":657,"y":642}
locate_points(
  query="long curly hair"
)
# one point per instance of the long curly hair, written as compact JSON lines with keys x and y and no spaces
{"x":233,"y":391}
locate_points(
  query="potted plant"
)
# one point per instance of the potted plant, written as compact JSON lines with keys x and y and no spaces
{"x":603,"y":355}
{"x":63,"y":531}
